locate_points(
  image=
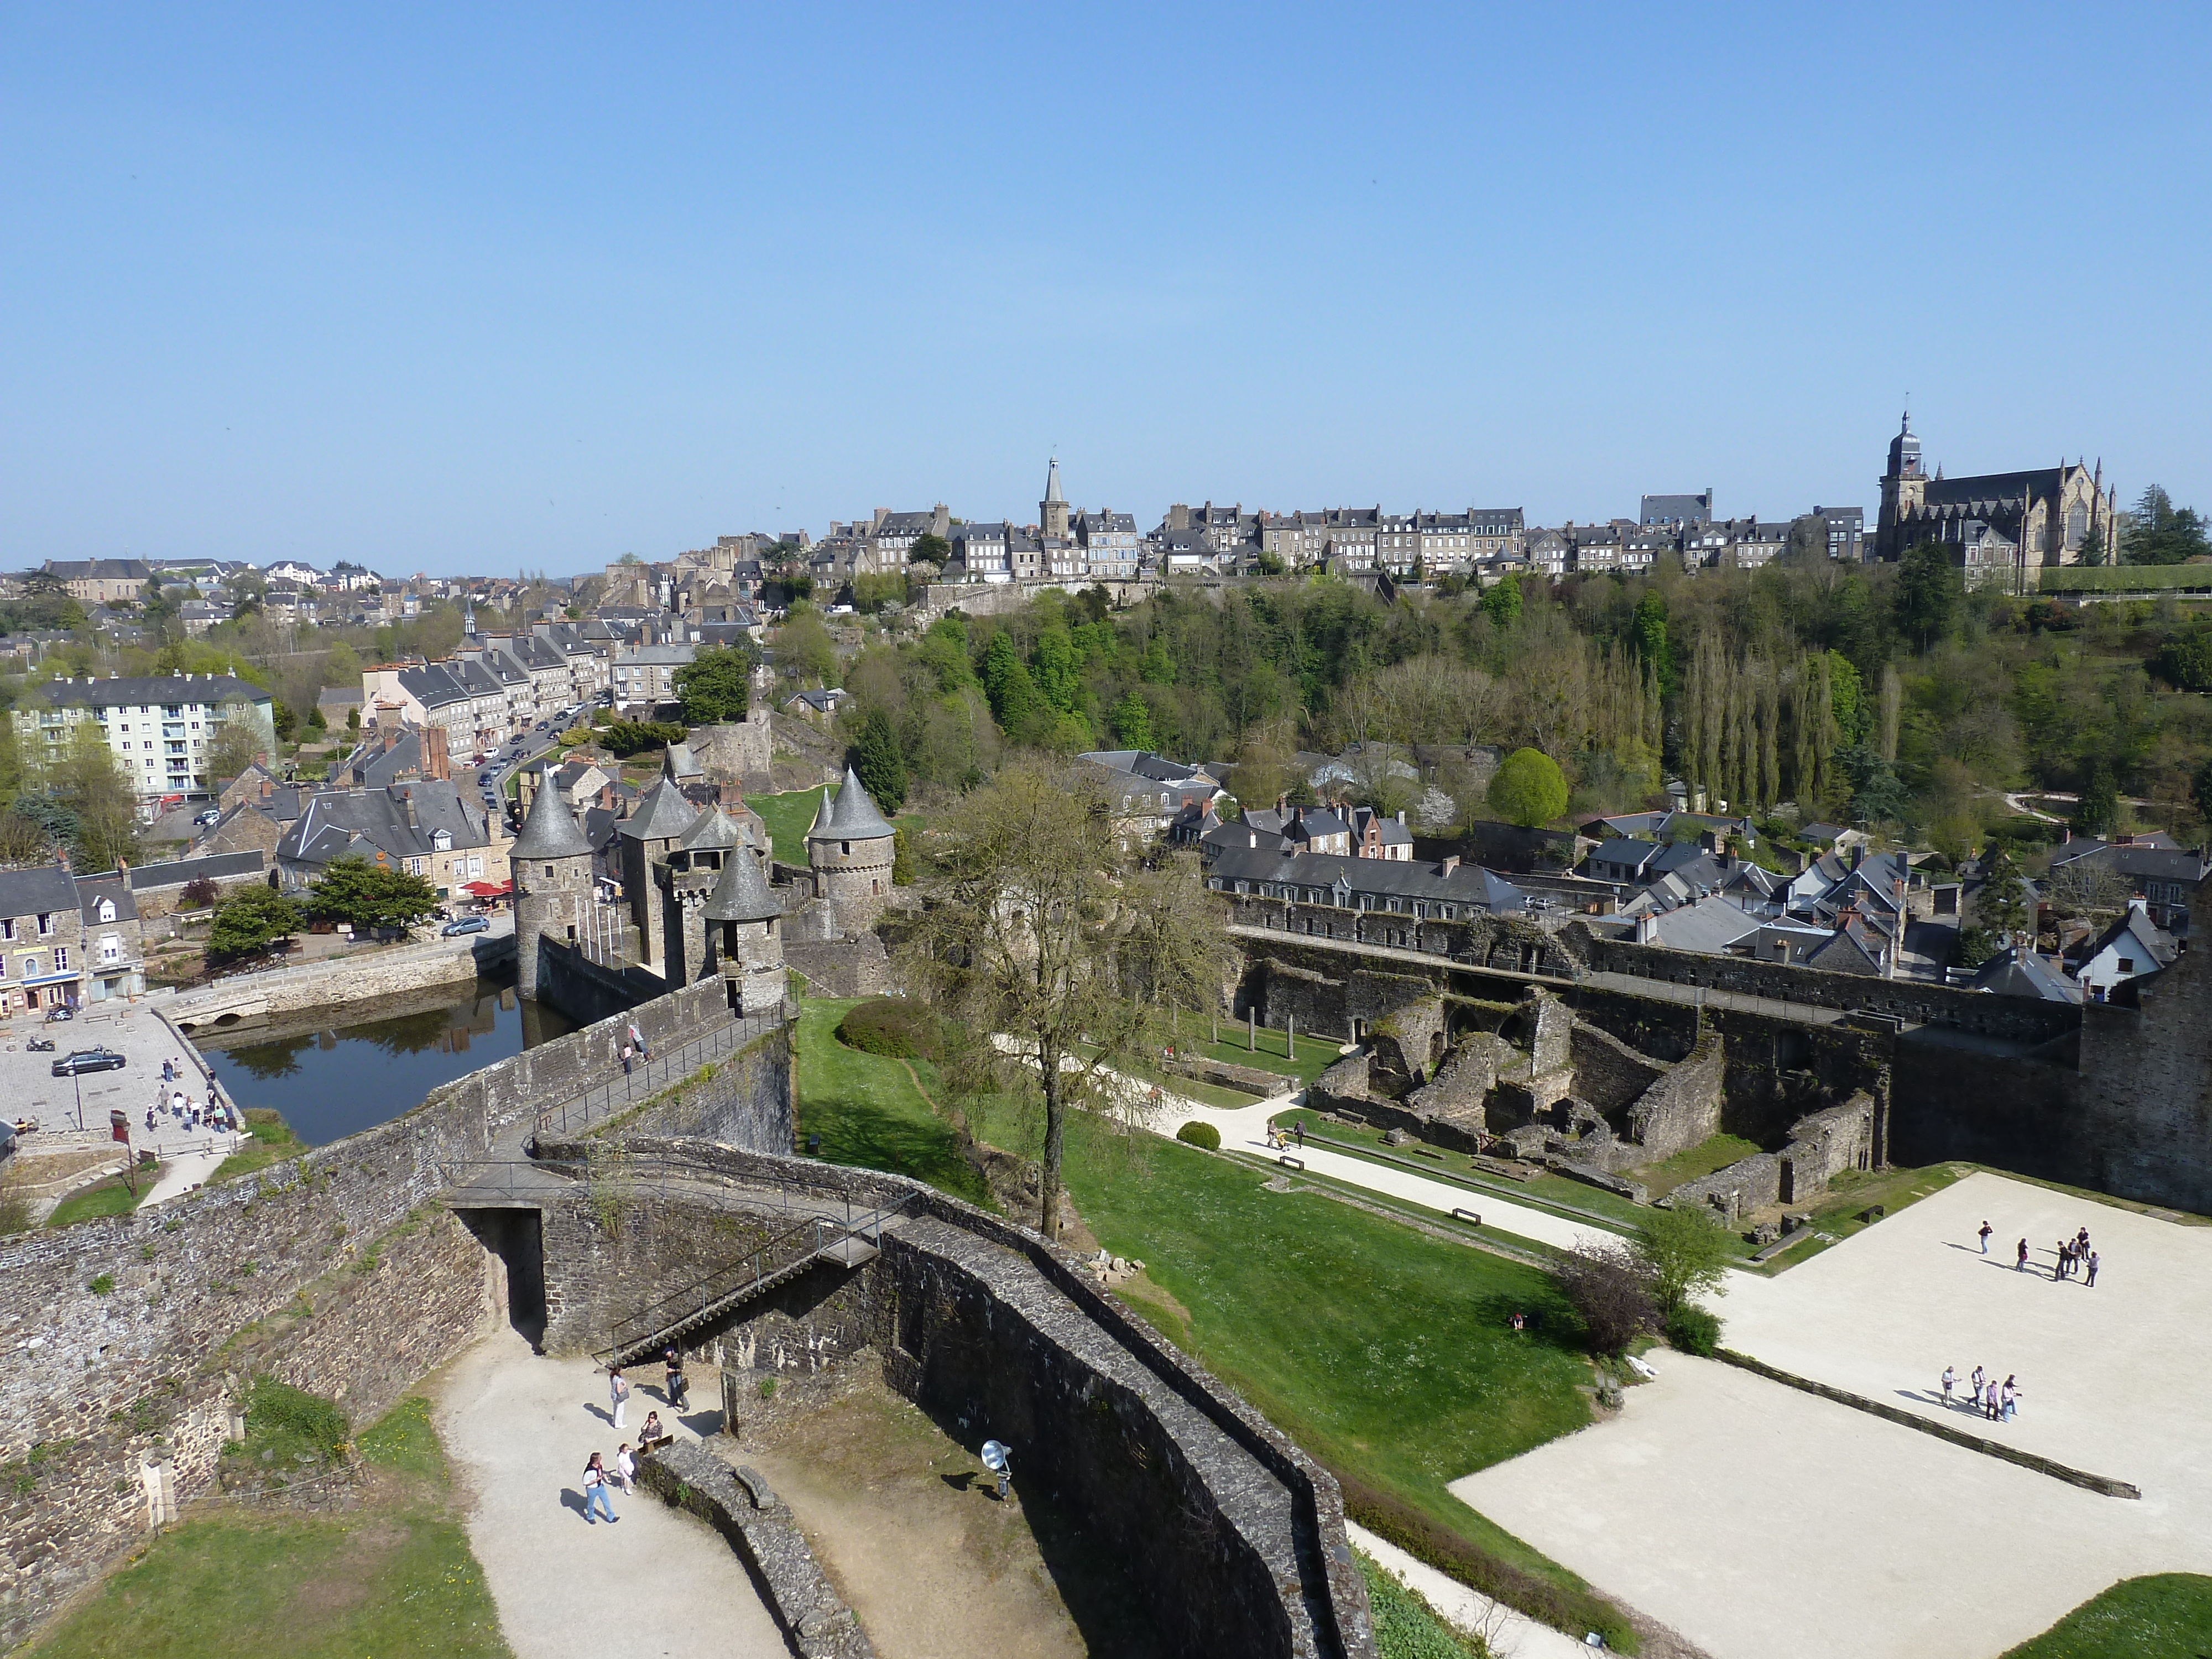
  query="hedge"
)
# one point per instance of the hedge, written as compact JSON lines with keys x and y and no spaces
{"x":895,"y":1026}
{"x":1200,"y":1135}
{"x":2123,"y":578}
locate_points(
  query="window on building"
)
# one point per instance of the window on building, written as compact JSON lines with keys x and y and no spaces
{"x":45,"y":924}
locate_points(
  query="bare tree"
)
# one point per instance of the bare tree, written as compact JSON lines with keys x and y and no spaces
{"x":2088,"y":887}
{"x":1049,"y":934}
{"x":1614,"y":1289}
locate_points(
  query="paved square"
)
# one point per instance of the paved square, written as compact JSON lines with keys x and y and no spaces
{"x":1757,"y":1519}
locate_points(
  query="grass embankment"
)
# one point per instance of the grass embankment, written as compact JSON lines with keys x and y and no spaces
{"x":868,"y":1110}
{"x":790,"y":815}
{"x":1387,"y":1353}
{"x":112,"y":1196}
{"x":2166,"y":1616}
{"x":272,"y":1142}
{"x":1406,"y":1626}
{"x":394,"y":1576}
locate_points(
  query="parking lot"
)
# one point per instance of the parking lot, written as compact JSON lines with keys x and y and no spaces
{"x":131,"y":1029}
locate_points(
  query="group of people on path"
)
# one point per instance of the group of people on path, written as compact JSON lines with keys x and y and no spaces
{"x":1998,"y":1402}
{"x":2071,"y":1256}
{"x":190,"y":1112}
{"x":1280,"y":1138}
{"x":651,"y":1436}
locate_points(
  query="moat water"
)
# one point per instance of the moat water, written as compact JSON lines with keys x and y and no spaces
{"x":338,"y":1080}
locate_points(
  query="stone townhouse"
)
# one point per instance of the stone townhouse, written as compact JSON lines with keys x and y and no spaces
{"x":979,"y":551}
{"x":427,"y":828}
{"x":1110,"y":546}
{"x":41,"y":939}
{"x":101,"y":581}
{"x":891,"y":537}
{"x":158,"y":727}
{"x":114,"y":958}
{"x":645,"y":675}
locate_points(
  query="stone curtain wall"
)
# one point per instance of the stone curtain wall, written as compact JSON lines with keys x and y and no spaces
{"x":982,"y":1321}
{"x":1683,"y":1108}
{"x":2015,"y":1019}
{"x":1609,"y":1073}
{"x":85,"y":1368}
{"x":341,"y":980}
{"x":747,"y":1102}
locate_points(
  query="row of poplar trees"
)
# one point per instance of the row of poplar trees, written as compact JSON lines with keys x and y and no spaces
{"x":1755,"y":730}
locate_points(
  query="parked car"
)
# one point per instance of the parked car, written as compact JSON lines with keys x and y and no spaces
{"x":88,"y":1060}
{"x":213,"y":815}
{"x":484,"y":780}
{"x":466,"y":925}
{"x":56,"y":1014}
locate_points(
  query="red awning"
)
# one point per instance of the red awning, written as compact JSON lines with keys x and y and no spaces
{"x":485,"y":890}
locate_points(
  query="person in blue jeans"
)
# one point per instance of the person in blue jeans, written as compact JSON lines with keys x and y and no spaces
{"x":595,"y":1492}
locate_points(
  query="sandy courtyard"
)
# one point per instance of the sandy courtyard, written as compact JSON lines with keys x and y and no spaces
{"x":1757,"y":1519}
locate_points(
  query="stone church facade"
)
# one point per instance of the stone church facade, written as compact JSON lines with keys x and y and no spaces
{"x":2002,"y":528}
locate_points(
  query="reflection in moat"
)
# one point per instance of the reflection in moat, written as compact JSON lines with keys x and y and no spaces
{"x":338,"y":1081}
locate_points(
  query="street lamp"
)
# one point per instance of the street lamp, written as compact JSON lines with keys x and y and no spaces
{"x":78,"y":1078}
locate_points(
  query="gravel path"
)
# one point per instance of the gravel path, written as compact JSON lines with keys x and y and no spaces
{"x":656,"y":1585}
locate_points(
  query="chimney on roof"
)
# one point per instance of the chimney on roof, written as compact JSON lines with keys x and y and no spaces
{"x":1450,"y":864}
{"x":1858,"y":854}
{"x":268,"y":786}
{"x":1402,"y":815}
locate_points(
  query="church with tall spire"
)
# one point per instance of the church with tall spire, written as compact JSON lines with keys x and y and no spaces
{"x":2002,"y":528}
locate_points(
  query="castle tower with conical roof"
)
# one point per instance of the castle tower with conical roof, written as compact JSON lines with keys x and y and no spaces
{"x":745,"y":936}
{"x":551,"y":862}
{"x":850,"y":849}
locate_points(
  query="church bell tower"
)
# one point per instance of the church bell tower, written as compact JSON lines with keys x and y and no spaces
{"x":1904,"y":488}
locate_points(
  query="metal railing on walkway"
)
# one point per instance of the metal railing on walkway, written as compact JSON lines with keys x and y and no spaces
{"x":848,"y":1240}
{"x":648,"y":1078}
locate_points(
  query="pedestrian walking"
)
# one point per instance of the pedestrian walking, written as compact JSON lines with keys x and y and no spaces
{"x":1989,"y":1403}
{"x":638,"y":1038}
{"x":168,"y":1071}
{"x":2011,"y":1397}
{"x":626,"y":1469}
{"x":1976,"y":1379}
{"x":2092,"y":1281}
{"x":176,"y":1103}
{"x":617,"y":1392}
{"x":595,"y":1492}
{"x":677,"y":1388}
{"x":626,"y":1058}
{"x":2019,"y":1264}
{"x":1299,"y":1130}
{"x":1986,"y":1230}
{"x":1950,"y":1382}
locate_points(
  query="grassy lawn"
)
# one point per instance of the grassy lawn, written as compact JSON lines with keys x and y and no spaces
{"x":1386,"y":1352}
{"x":790,"y":815}
{"x":867,"y":1110}
{"x":2167,"y":1616}
{"x":273,"y":1142}
{"x":394,"y":1577}
{"x":1314,"y":1055}
{"x":108,"y":1197}
{"x":1702,"y":1159}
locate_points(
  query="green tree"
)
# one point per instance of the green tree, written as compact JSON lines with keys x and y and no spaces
{"x":880,"y":761}
{"x":1006,"y":682}
{"x":1929,"y":595}
{"x":1132,"y":721}
{"x":2092,"y":546}
{"x":803,"y":648}
{"x":101,"y":798}
{"x":715,"y":685}
{"x":1688,"y":1253}
{"x":932,"y":548}
{"x":2162,"y":533}
{"x":341,"y":666}
{"x":1044,"y":925}
{"x":628,"y":737}
{"x":1652,"y":648}
{"x":286,"y":722}
{"x":249,"y":921}
{"x":2200,"y":789}
{"x":352,"y":889}
{"x":1527,"y":788}
{"x":1502,"y":603}
{"x":2100,"y":801}
{"x":1058,"y":676}
{"x":901,"y":856}
{"x":2000,"y":904}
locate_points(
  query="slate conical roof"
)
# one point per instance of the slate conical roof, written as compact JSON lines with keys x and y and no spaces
{"x":550,"y":831}
{"x":742,"y":895}
{"x":662,"y":815}
{"x":852,"y":817}
{"x":713,"y":830}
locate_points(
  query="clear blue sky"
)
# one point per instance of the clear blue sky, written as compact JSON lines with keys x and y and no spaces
{"x":471,"y":288}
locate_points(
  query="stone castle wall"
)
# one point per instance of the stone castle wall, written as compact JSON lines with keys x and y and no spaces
{"x":1234,"y":1537}
{"x":360,"y":976}
{"x":93,"y":1374}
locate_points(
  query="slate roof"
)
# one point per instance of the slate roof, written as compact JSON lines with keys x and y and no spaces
{"x":662,"y":814}
{"x":2153,"y":945}
{"x":202,"y":688}
{"x":713,"y":829}
{"x":550,"y":831}
{"x":2185,"y":864}
{"x":1468,"y":884}
{"x":216,"y":867}
{"x":852,"y":816}
{"x":91,"y":889}
{"x":40,"y":891}
{"x":2017,"y":972}
{"x":742,"y":894}
{"x":366,"y":821}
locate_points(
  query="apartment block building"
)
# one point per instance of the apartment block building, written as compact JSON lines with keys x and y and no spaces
{"x":159,"y":728}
